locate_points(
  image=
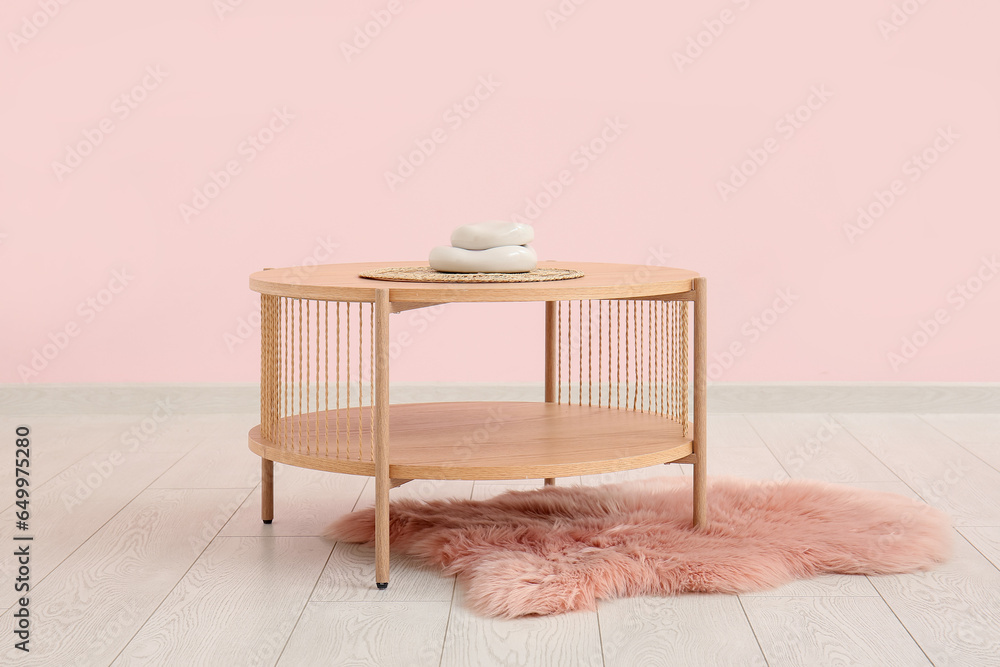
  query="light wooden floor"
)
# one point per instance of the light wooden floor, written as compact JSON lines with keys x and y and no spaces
{"x":157,"y":556}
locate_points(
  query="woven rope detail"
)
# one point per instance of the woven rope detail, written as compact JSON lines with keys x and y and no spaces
{"x":559,"y":345}
{"x":656,"y":364}
{"x":684,"y":365}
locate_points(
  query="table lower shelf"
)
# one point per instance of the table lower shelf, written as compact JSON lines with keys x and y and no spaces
{"x":479,"y":440}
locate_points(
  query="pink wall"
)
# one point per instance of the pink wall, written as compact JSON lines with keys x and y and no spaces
{"x":838,"y":101}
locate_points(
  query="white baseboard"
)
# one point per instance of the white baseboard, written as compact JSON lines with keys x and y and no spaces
{"x":728,"y":397}
{"x":913,"y":397}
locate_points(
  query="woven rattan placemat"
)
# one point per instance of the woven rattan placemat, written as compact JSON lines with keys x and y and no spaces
{"x":425,"y":274}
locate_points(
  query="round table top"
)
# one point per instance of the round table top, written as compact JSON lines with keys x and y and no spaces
{"x":341,"y":282}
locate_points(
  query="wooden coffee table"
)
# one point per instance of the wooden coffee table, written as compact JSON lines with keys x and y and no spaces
{"x":616,"y":382}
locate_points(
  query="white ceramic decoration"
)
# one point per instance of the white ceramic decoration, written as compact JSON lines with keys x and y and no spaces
{"x":486,"y":235}
{"x":503,"y":259}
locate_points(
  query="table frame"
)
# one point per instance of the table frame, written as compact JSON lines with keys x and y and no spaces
{"x":689,"y":287}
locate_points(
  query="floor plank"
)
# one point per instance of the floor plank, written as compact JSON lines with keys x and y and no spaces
{"x":831,"y":631}
{"x":756,"y":462}
{"x":734,"y":448}
{"x":350,"y":574}
{"x":731,"y":430}
{"x":980,"y":434}
{"x":690,"y":630}
{"x":986,"y":541}
{"x":305,"y":502}
{"x":826,"y":585}
{"x":236,"y":604}
{"x":59,"y":437}
{"x":99,"y":597}
{"x":63,"y":440}
{"x":818,"y":447}
{"x":565,"y":639}
{"x":419,"y":489}
{"x":160,"y":431}
{"x":668,"y":470}
{"x":485,"y":491}
{"x":944,"y":473}
{"x":953,"y":611}
{"x":221,"y":460}
{"x":967,"y":428}
{"x":407,"y":634}
{"x":68,"y":509}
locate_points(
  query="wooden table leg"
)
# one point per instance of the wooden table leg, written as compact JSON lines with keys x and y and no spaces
{"x":270,"y":392}
{"x":266,"y":490}
{"x":382,"y":481}
{"x":551,"y":355}
{"x":700,"y":403}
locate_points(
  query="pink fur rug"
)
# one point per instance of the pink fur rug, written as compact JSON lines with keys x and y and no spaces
{"x":562,"y":548}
